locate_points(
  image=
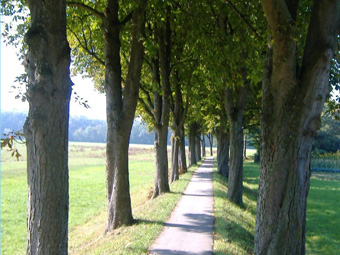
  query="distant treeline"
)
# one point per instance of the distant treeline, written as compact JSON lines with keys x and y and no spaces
{"x":81,"y":129}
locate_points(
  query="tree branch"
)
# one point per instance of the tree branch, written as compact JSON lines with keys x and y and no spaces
{"x":146,"y":108}
{"x":244,"y":19}
{"x":148,"y":98}
{"x":126,"y":19}
{"x":87,"y":8}
{"x":252,"y":125}
{"x":184,"y":116}
{"x":91,"y":53}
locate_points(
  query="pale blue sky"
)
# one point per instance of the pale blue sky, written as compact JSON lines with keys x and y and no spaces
{"x":11,"y":67}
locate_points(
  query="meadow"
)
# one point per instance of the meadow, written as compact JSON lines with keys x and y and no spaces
{"x":234,"y":226}
{"x":87,"y":213}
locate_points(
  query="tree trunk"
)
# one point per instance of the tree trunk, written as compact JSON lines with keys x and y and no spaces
{"x":192,"y":145}
{"x":210,"y":138}
{"x":119,"y":204}
{"x":175,"y":141}
{"x":235,"y":178}
{"x":203,"y":146}
{"x":223,"y":140}
{"x":235,"y":111}
{"x":161,"y":177}
{"x":292,"y":104}
{"x":120,"y":110}
{"x":198,"y":145}
{"x":245,"y":146}
{"x":178,"y":164}
{"x":46,"y":128}
{"x":162,"y":104}
{"x":182,"y":160}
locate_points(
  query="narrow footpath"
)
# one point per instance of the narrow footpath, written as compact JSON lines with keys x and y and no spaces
{"x":189,"y":230}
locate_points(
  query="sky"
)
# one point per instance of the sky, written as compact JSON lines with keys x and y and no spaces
{"x":11,"y":67}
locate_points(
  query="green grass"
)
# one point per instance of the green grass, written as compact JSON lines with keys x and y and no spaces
{"x":87,"y":216}
{"x":234,"y":226}
{"x":323,"y":214}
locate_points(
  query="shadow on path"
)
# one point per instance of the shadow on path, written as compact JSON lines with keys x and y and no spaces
{"x":189,"y":229}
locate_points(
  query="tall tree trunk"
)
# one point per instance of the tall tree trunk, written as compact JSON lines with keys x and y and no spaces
{"x":163,"y":106}
{"x":292,"y":104}
{"x":203,"y":146}
{"x":235,"y":111}
{"x":192,"y":144}
{"x":245,"y":146}
{"x":198,"y":145}
{"x":162,"y":170}
{"x":120,"y":110}
{"x":235,"y":178}
{"x":210,"y":138}
{"x":46,"y":128}
{"x":182,"y":155}
{"x":175,"y":141}
{"x":178,"y":162}
{"x":223,"y":139}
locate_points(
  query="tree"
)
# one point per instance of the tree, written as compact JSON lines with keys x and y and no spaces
{"x":46,"y":127}
{"x":121,"y":106}
{"x":235,"y":111}
{"x":88,"y":23}
{"x":155,"y":98}
{"x":233,"y":72}
{"x":295,"y":87}
{"x":210,"y":139}
{"x":223,"y":144}
{"x":194,"y":143}
{"x":179,"y":111}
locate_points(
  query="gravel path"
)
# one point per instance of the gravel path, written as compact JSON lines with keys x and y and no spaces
{"x":189,"y":229}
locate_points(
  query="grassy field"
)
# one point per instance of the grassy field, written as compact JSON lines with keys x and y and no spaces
{"x":87,"y":214}
{"x":234,"y":232}
{"x":234,"y":226}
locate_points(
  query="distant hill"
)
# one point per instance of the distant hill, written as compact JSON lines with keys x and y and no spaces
{"x":81,"y":129}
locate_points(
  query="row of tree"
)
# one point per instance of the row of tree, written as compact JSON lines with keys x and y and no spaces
{"x":201,"y":67}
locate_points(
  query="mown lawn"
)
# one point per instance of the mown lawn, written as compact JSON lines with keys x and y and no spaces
{"x":234,"y":226}
{"x":88,"y":202}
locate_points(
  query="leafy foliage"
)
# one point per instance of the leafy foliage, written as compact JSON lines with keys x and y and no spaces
{"x":327,"y":138}
{"x":8,"y":141}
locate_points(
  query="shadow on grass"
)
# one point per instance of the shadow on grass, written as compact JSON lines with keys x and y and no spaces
{"x":234,"y":224}
{"x":236,"y":234}
{"x":143,"y":221}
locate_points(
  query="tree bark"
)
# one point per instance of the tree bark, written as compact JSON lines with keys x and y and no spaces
{"x":192,"y":144}
{"x":203,"y":146}
{"x":292,"y":104}
{"x":120,"y":109}
{"x":174,"y":157}
{"x":162,"y":170}
{"x":210,"y":138}
{"x":235,"y":178}
{"x":198,"y":145}
{"x":162,"y":104}
{"x":223,"y":140}
{"x":235,"y":113}
{"x":46,"y":128}
{"x":245,"y":146}
{"x":182,"y":155}
{"x":178,"y":162}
